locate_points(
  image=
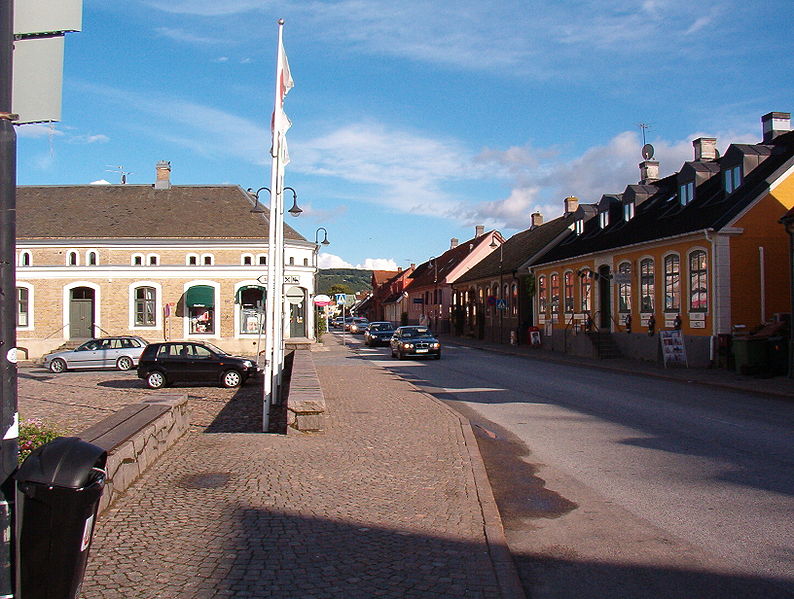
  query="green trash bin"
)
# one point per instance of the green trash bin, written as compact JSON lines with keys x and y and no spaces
{"x":751,"y":355}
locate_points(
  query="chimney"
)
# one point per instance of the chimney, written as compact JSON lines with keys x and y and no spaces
{"x":537,"y":219}
{"x":453,"y":243}
{"x":649,"y":171}
{"x":479,"y":230}
{"x":399,"y":269}
{"x":774,"y":124}
{"x":163,"y":178}
{"x":413,"y":266}
{"x":706,"y":148}
{"x":571,"y":203}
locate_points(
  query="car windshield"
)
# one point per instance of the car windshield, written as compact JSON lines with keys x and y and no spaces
{"x":90,"y":345}
{"x":380,"y":326}
{"x":416,"y":332}
{"x":216,"y":349}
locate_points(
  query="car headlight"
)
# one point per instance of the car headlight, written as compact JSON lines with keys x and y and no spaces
{"x":408,"y":345}
{"x":248,"y":364}
{"x":436,"y":345}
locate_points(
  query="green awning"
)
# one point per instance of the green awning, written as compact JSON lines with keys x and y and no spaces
{"x":201,"y":296}
{"x":238,"y":297}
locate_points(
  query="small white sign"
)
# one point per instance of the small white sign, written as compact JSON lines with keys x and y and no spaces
{"x":11,"y":355}
{"x":698,"y":324}
{"x":697,"y":316}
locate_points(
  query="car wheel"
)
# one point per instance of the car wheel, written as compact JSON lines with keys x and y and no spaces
{"x":57,"y":365}
{"x":124,"y":363}
{"x":437,"y":356}
{"x":231,"y":378}
{"x":155,"y":380}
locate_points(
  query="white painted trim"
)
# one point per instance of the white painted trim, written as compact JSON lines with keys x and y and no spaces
{"x":67,"y":302}
{"x":31,"y":306}
{"x":216,"y":315}
{"x":158,"y":306}
{"x":20,"y":261}
{"x":238,"y":334}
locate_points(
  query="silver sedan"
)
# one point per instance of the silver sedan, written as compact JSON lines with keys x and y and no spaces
{"x":121,"y":353}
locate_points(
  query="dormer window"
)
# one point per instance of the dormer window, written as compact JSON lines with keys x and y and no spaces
{"x":579,"y":226}
{"x":732,"y":178}
{"x":603,"y":219}
{"x":686,"y":192}
{"x":628,"y":211}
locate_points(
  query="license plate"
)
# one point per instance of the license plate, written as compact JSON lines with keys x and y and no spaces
{"x":421,"y":351}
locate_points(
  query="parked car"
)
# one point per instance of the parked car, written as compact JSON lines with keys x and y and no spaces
{"x":378,"y":333}
{"x":121,"y":353}
{"x":347,"y":322}
{"x":337,"y":322}
{"x":189,"y":361}
{"x":414,"y":341}
{"x":359,"y":325}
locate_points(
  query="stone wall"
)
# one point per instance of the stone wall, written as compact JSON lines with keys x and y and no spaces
{"x":306,"y":402}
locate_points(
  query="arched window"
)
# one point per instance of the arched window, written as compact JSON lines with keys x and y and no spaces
{"x":647,"y":285}
{"x":624,"y":287}
{"x":71,"y":258}
{"x":585,"y":290}
{"x":92,"y":258}
{"x":145,"y":306}
{"x":555,"y":293}
{"x":698,"y":282}
{"x":568,"y":285}
{"x":514,"y":300}
{"x":247,"y":260}
{"x":672,"y":283}
{"x":137,"y":259}
{"x":207,"y":259}
{"x":543,"y":301}
{"x":192,"y":259}
{"x":153,"y":259}
{"x":262,"y":259}
{"x":25,"y":258}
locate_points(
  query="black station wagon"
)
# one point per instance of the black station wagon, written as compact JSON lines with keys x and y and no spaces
{"x":188,"y":361}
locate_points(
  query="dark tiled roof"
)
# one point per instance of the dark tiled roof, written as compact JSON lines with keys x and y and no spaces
{"x":438,"y":268}
{"x":140,"y":211}
{"x":661,"y":215}
{"x":517,"y":250}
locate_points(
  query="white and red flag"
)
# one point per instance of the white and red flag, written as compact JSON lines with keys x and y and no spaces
{"x":280,"y":122}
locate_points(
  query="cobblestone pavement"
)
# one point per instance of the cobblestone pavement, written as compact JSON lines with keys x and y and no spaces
{"x":383,"y":504}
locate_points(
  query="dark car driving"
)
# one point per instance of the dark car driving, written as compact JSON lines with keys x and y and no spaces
{"x":414,"y":341}
{"x":378,"y":333}
{"x":188,"y":361}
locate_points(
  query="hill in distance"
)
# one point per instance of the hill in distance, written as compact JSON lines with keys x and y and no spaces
{"x":354,"y":278}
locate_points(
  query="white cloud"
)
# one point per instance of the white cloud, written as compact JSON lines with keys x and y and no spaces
{"x":325,"y":260}
{"x":89,"y":139}
{"x":182,"y":35}
{"x":209,"y":8}
{"x":37,"y":130}
{"x":100,"y":182}
{"x":378,"y":264}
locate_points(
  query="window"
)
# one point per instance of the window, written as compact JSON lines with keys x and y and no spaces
{"x":192,"y":260}
{"x":306,"y":262}
{"x":555,"y":293}
{"x":262,"y":258}
{"x":624,"y":287}
{"x":579,"y":226}
{"x":568,"y":284}
{"x":628,"y":211}
{"x":732,"y":178}
{"x":145,"y":307}
{"x":23,"y":307}
{"x":71,"y":259}
{"x":200,"y":304}
{"x":25,"y":258}
{"x":686,"y":192}
{"x":647,"y":285}
{"x":603,"y":219}
{"x":154,"y":259}
{"x":91,"y":258}
{"x":542,"y":299}
{"x":207,"y":259}
{"x":514,"y":300}
{"x":506,"y":296}
{"x":585,"y":290}
{"x":137,"y":259}
{"x":698,"y":282}
{"x":292,"y":260}
{"x":247,"y":260}
{"x":672,"y":284}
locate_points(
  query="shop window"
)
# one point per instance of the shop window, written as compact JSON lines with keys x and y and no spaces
{"x":647,"y":285}
{"x":145,"y":307}
{"x":200,"y":302}
{"x":251,"y":299}
{"x":585,"y":290}
{"x":568,"y":284}
{"x":698,"y":282}
{"x":555,"y":293}
{"x":624,"y":287}
{"x":672,"y":283}
{"x":23,"y":307}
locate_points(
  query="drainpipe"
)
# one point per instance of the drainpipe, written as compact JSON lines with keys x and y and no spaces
{"x":762,"y":280}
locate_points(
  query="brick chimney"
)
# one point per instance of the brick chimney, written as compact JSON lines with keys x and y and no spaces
{"x":705,"y":148}
{"x":479,"y":231}
{"x":649,"y":171}
{"x":571,"y":203}
{"x":537,"y":219}
{"x":453,"y":243}
{"x":163,"y":178}
{"x":774,"y":124}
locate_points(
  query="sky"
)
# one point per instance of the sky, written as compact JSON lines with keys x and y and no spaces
{"x":412,"y":122}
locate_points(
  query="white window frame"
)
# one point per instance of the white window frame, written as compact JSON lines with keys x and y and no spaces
{"x":250,"y":257}
{"x":25,"y":254}
{"x":579,"y":226}
{"x":238,"y":334}
{"x":686,"y":192}
{"x":138,"y":256}
{"x":158,"y":306}
{"x":31,"y":312}
{"x":189,"y":256}
{"x":261,"y":259}
{"x":72,"y":254}
{"x":603,"y":219}
{"x":216,"y":314}
{"x":150,"y":257}
{"x":88,"y":257}
{"x":205,"y":257}
{"x":628,"y":211}
{"x":732,"y":178}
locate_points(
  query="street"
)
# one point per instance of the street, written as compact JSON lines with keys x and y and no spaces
{"x":612,"y":485}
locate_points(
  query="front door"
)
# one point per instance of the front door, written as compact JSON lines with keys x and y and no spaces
{"x":604,"y":298}
{"x":81,"y":313}
{"x":297,"y":312}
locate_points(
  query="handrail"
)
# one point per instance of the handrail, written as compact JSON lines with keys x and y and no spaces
{"x":54,"y":332}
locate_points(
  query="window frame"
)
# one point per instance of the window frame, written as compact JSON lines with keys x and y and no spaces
{"x":698,"y":276}
{"x":137,"y":260}
{"x":672,"y":283}
{"x":28,"y":303}
{"x":624,"y":289}
{"x":647,"y":286}
{"x":554,"y":291}
{"x":543,"y":300}
{"x":585,"y":291}
{"x":144,"y":306}
{"x":732,"y":178}
{"x":628,"y":211}
{"x":686,"y":192}
{"x":72,"y":258}
{"x":568,"y":298}
{"x":25,"y":258}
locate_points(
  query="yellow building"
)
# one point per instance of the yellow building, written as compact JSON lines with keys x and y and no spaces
{"x":699,"y":251}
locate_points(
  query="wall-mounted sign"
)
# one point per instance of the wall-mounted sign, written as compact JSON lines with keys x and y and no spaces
{"x":419,"y":300}
{"x":291,"y":279}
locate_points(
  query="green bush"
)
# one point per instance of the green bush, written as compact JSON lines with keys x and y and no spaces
{"x":34,"y":433}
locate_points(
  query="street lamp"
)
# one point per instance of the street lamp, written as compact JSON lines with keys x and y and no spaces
{"x":436,"y":303}
{"x":493,"y":245}
{"x":294,"y":211}
{"x":325,"y":237}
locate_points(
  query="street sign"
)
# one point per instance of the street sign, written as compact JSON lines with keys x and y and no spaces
{"x":419,"y":300}
{"x":341,"y":298}
{"x":501,"y":304}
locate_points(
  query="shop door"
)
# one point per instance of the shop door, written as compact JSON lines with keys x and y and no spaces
{"x":81,"y":313}
{"x":297,"y":312}
{"x":605,"y":297}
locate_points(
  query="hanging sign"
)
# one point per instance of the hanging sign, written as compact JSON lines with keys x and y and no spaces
{"x":322,"y":300}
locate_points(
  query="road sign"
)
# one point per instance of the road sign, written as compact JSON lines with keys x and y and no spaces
{"x":341,"y":298}
{"x":501,"y":304}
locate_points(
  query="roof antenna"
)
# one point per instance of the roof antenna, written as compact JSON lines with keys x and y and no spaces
{"x":644,"y":127}
{"x":120,"y":170}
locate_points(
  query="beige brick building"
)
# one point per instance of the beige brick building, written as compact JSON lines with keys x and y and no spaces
{"x":159,"y":261}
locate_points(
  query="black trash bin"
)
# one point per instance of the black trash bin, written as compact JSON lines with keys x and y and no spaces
{"x":58,"y":490}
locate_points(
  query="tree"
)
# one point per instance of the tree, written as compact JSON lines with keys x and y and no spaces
{"x":340,"y":288}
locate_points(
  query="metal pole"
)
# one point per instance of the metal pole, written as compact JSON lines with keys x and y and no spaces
{"x":8,"y":321}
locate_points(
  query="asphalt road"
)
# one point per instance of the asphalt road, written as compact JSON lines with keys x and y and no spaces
{"x":623,"y":486}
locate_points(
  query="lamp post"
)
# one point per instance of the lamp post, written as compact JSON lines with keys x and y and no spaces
{"x":435,"y":293}
{"x":317,"y":263}
{"x":493,"y":245}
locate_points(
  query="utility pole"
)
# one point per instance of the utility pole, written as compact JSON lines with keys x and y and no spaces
{"x":9,"y":428}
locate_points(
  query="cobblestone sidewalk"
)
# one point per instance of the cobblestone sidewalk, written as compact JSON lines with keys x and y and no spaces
{"x":384,"y":504}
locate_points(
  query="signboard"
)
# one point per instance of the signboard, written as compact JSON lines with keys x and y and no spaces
{"x":419,"y":300}
{"x":340,"y":298}
{"x":501,"y":304}
{"x":673,"y":348}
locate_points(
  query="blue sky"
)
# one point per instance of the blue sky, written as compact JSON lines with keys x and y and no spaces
{"x":413,"y":122}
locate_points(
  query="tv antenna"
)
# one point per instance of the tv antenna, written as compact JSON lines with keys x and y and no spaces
{"x":120,"y":170}
{"x":644,"y":127}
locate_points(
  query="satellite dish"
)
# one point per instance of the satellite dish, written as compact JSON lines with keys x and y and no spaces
{"x":647,"y":151}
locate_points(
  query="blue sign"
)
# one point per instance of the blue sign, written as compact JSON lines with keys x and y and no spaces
{"x":341,"y":298}
{"x":419,"y":300}
{"x":501,"y":304}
